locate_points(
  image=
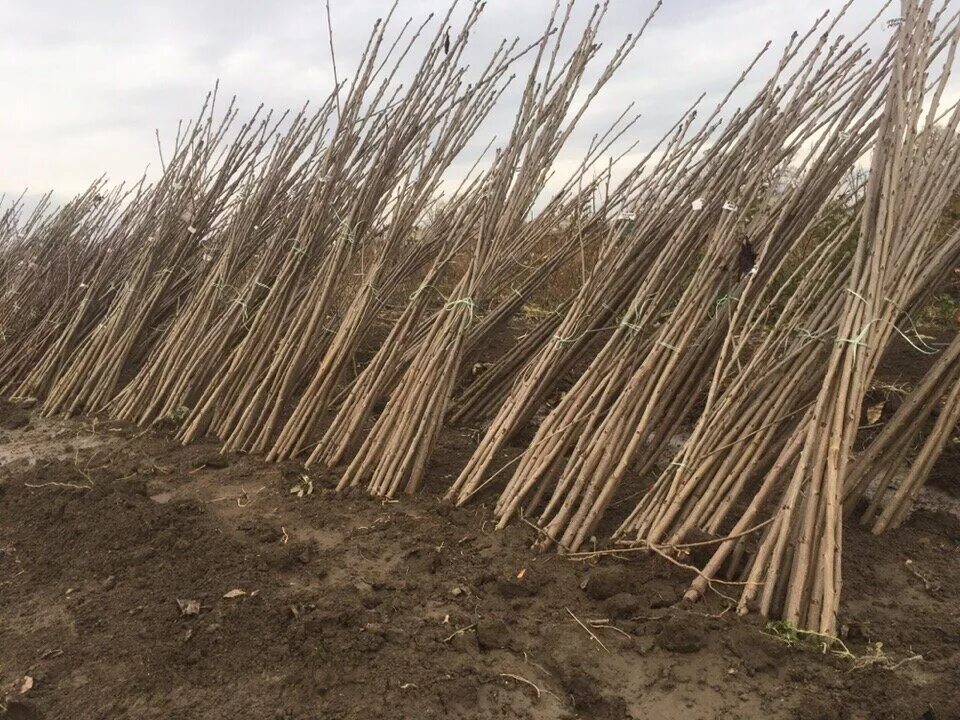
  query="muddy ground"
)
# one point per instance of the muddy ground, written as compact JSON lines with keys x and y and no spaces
{"x":141,"y":579}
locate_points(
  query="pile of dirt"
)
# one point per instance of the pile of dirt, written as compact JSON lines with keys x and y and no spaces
{"x":146,"y":580}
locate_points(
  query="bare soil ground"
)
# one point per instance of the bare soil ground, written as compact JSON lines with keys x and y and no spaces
{"x":141,"y":579}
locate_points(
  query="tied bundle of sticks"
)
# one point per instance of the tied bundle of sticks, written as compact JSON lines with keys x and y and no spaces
{"x":396,"y":450}
{"x":643,"y":383}
{"x":915,"y":168}
{"x":786,"y":455}
{"x":163,"y":233}
{"x":47,"y":260}
{"x":239,"y":263}
{"x":459,"y":112}
{"x":373,"y":171}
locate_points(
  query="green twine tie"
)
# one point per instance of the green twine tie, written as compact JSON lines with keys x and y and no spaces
{"x":466,"y":302}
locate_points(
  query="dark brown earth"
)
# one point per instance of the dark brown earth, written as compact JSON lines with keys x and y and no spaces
{"x":140,"y":579}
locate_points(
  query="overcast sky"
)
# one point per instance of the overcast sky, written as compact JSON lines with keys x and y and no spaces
{"x":85,"y":84}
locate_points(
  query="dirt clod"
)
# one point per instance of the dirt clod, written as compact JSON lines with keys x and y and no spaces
{"x":605,"y":582}
{"x":493,"y":634}
{"x":681,"y":635}
{"x":622,"y":605}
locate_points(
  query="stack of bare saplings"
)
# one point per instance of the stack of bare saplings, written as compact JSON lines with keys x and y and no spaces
{"x":319,"y":285}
